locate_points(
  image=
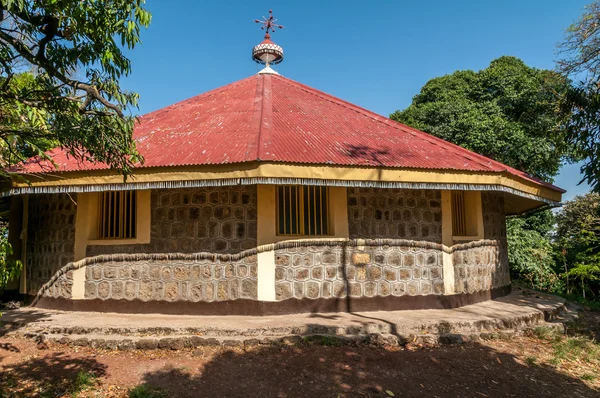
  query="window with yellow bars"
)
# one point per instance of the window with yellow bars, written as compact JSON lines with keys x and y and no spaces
{"x":302,"y":210}
{"x":459,"y":214}
{"x":117,"y":215}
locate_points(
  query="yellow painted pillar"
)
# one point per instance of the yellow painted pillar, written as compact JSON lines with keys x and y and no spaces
{"x":83,"y":222}
{"x":338,"y":197}
{"x":86,"y":232}
{"x":447,"y":242}
{"x":266,"y":234}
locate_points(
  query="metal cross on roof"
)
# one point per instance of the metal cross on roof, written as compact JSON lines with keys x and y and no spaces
{"x":268,"y":24}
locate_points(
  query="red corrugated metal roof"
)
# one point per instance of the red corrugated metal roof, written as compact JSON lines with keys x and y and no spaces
{"x":271,"y":118}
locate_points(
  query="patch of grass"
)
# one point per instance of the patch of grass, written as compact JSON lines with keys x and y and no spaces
{"x":577,"y":349}
{"x":531,"y":360}
{"x":546,"y":333}
{"x":146,"y":391}
{"x":82,"y":382}
{"x":588,"y":377}
{"x":9,"y":382}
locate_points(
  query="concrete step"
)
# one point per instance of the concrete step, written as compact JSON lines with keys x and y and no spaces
{"x":501,"y":318}
{"x":181,"y":342}
{"x":353,"y":327}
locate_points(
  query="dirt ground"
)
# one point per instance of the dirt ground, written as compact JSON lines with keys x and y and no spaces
{"x":520,"y":367}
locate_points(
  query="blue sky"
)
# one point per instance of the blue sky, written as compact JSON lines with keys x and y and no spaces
{"x":375,"y":54}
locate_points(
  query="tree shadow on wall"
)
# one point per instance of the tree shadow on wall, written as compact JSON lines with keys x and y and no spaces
{"x":309,"y":370}
{"x":53,"y":375}
{"x":345,"y":303}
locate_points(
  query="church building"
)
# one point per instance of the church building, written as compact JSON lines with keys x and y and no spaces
{"x":267,"y":196}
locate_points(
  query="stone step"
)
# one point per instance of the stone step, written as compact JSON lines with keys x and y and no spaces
{"x":369,"y":326}
{"x":180,"y":342}
{"x":500,"y":318}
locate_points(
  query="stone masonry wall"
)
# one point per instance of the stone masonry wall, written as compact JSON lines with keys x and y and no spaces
{"x":173,"y":280}
{"x":395,"y":213}
{"x":483,"y":267}
{"x":219,"y":220}
{"x":494,"y":221}
{"x":192,"y":220}
{"x":50,"y":241}
{"x":335,"y":271}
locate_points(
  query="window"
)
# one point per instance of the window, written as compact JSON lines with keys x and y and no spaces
{"x":302,"y":210}
{"x":466,"y":214}
{"x":459,"y":218}
{"x":117,"y":215}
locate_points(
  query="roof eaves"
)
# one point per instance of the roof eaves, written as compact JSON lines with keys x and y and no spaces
{"x":446,"y":145}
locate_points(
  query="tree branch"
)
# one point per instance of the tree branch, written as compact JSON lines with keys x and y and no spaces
{"x":91,"y":90}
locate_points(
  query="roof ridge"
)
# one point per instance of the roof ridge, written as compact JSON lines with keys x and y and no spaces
{"x":266,"y":117}
{"x":457,"y":149}
{"x":253,"y":147}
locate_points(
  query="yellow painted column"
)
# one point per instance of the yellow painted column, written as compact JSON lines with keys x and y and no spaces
{"x":266,"y":234}
{"x":86,"y":224}
{"x":338,"y":197}
{"x":447,"y":242}
{"x":479,"y":215}
{"x":83,"y":223}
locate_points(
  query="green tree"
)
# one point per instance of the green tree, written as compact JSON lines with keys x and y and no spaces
{"x":578,"y":243}
{"x":530,"y":256}
{"x":60,"y":65}
{"x":580,"y":60}
{"x":506,"y":112}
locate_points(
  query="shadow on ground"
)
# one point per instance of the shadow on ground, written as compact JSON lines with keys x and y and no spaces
{"x":320,"y":371}
{"x":52,"y":375}
{"x":16,"y":319}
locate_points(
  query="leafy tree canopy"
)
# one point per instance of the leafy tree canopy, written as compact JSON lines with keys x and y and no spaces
{"x":60,"y":64}
{"x":578,"y":240}
{"x":505,"y":112}
{"x":530,"y":256}
{"x":580,"y":60}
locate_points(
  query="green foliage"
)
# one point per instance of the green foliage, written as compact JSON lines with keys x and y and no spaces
{"x":578,"y":242}
{"x":60,"y":65}
{"x":508,"y":113}
{"x":580,"y":349}
{"x":82,"y":382}
{"x":145,"y":391}
{"x":583,"y":129}
{"x":588,"y":377}
{"x":505,"y":112}
{"x":580,"y":60}
{"x":530,"y":256}
{"x":546,"y":333}
{"x":9,"y":269}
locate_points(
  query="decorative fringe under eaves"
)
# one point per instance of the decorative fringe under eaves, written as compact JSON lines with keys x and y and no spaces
{"x":269,"y":181}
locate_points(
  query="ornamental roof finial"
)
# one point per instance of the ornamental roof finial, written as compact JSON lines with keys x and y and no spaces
{"x":267,"y":52}
{"x":268,"y":24}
